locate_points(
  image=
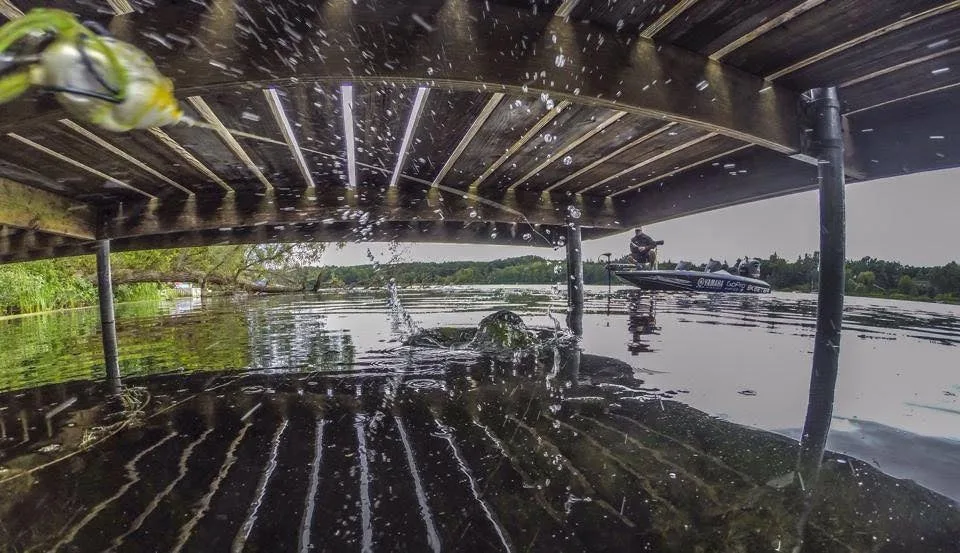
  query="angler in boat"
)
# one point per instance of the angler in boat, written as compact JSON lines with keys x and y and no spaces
{"x":743,"y":277}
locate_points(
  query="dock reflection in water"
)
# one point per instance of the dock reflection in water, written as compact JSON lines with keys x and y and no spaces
{"x":340,"y":441}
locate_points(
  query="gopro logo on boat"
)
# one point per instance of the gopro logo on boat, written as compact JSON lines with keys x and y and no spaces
{"x":709,"y":283}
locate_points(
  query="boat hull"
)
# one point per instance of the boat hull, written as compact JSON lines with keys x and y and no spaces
{"x":693,"y":281}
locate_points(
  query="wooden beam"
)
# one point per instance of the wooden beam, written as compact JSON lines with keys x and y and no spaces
{"x":337,"y":203}
{"x":898,"y":67}
{"x":687,"y":167}
{"x":77,"y":164}
{"x":570,"y":146}
{"x":418,"y":102}
{"x":280,"y":116}
{"x":498,"y":234}
{"x":229,"y":141}
{"x":666,"y":153}
{"x":531,"y":132}
{"x":169,"y":142}
{"x":773,"y":23}
{"x":903,"y":98}
{"x":122,"y":154}
{"x":562,"y":57}
{"x":26,"y":207}
{"x":900,"y":24}
{"x":120,"y":7}
{"x":8,"y":10}
{"x":468,"y":136}
{"x":666,"y":18}
{"x":706,"y":188}
{"x":609,"y":156}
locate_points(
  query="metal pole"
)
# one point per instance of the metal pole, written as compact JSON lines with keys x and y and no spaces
{"x":574,"y":278}
{"x":827,"y":145}
{"x":107,"y":321}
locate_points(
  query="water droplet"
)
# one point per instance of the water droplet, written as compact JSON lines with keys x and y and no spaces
{"x":573,"y":212}
{"x":940,"y":71}
{"x":568,"y":160}
{"x":703,"y":85}
{"x":429,"y":71}
{"x":493,"y":234}
{"x":936,"y":137}
{"x":548,"y":138}
{"x":527,"y":236}
{"x":619,"y":24}
{"x":473,"y":214}
{"x":560,"y":60}
{"x":550,"y":104}
{"x":250,"y":116}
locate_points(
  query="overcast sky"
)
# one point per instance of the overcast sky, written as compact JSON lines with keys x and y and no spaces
{"x":913,"y":219}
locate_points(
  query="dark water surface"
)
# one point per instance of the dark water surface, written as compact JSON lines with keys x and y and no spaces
{"x":302,"y":423}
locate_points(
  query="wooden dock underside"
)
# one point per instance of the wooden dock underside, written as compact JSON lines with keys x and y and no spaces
{"x":429,"y":120}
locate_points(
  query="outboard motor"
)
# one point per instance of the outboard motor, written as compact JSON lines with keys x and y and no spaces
{"x":714,"y":266}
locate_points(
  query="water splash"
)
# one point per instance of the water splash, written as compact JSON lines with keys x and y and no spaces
{"x":402,"y":321}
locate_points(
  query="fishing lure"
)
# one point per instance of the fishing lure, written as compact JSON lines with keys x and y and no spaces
{"x":95,"y":77}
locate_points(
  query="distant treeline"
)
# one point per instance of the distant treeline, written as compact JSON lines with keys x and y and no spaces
{"x":867,"y":276}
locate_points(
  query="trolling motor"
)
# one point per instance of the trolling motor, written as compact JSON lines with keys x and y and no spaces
{"x":94,"y":76}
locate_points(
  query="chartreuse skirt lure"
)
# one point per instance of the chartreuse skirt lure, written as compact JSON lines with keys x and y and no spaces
{"x":95,"y":77}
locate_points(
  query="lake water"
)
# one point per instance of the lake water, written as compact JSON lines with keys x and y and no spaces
{"x":254,"y":363}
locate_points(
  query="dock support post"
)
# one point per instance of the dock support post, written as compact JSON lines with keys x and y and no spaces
{"x":574,"y":278}
{"x":827,"y":146}
{"x":107,"y":321}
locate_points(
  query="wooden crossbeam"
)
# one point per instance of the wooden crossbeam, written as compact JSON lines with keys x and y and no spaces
{"x":666,"y":18}
{"x":468,"y":136}
{"x":169,"y":142}
{"x":610,"y":156}
{"x":531,"y":132}
{"x":666,"y":153}
{"x":91,"y":137}
{"x":899,"y":24}
{"x":30,"y":208}
{"x":678,"y":170}
{"x":280,"y":116}
{"x":82,"y":166}
{"x":570,"y":146}
{"x":229,"y":141}
{"x":766,"y":27}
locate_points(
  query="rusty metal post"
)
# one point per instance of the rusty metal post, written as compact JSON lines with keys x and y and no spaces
{"x":108,"y":324}
{"x":827,"y":147}
{"x":574,"y":278}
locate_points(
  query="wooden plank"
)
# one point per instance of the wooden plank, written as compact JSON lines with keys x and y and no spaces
{"x":110,"y":180}
{"x":535,"y":130}
{"x":413,"y":121}
{"x":286,"y":129}
{"x":595,"y":151}
{"x":471,"y":48}
{"x":448,"y":123}
{"x":30,"y":208}
{"x":707,"y":187}
{"x":648,"y":160}
{"x":900,"y":48}
{"x":318,"y":128}
{"x":666,"y":18}
{"x":907,"y":82}
{"x":80,"y":130}
{"x":543,"y":145}
{"x":511,"y":118}
{"x":826,"y":30}
{"x":331,"y":204}
{"x":175,"y":146}
{"x":712,"y":150}
{"x":502,"y":234}
{"x":642,"y":151}
{"x":475,"y":127}
{"x":748,"y":26}
{"x":913,"y":135}
{"x":569,"y":146}
{"x":231,"y":143}
{"x":378,"y":116}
